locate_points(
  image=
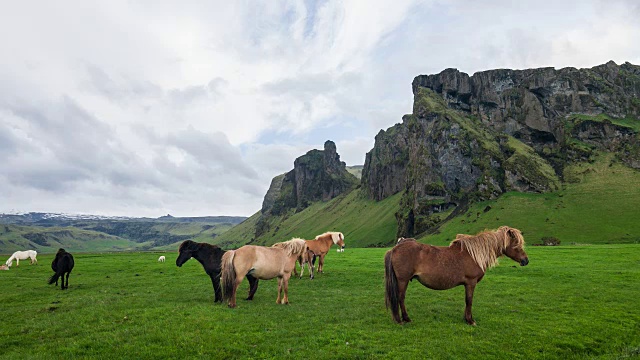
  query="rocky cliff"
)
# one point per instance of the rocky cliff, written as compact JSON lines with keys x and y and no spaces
{"x":319,"y":175}
{"x":473,"y":138}
{"x":537,"y":106}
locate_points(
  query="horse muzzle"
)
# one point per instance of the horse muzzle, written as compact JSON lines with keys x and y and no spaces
{"x":524,"y":261}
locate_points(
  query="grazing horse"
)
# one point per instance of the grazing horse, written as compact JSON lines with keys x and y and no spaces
{"x":319,"y":248}
{"x":161,"y":258}
{"x":210,"y":256}
{"x":62,"y":264}
{"x":23,"y":255}
{"x":263,"y":263}
{"x":463,"y":262}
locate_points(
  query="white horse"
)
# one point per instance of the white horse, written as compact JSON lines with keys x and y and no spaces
{"x":23,"y":255}
{"x":161,"y":258}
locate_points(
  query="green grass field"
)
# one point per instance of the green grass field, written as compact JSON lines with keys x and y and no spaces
{"x":571,"y":302}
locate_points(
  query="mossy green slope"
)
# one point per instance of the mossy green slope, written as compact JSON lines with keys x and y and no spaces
{"x":599,"y":205}
{"x":363,"y":222}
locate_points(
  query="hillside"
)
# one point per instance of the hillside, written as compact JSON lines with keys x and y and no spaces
{"x":598,"y":206}
{"x":553,"y":152}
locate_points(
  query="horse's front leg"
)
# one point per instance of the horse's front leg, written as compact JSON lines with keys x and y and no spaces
{"x":468,"y":290}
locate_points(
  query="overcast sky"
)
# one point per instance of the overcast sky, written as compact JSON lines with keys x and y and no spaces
{"x":143,"y":108}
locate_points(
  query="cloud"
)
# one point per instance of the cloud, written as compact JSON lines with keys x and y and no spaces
{"x":146,"y":108}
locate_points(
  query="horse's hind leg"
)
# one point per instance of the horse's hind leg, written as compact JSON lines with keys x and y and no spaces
{"x":402,"y":292}
{"x":295,"y":270}
{"x":285,"y":286}
{"x":279,"y":290}
{"x":217,"y":291}
{"x":468,"y":291}
{"x":321,"y":264}
{"x":66,"y":285}
{"x":302,"y":262}
{"x":253,"y":286}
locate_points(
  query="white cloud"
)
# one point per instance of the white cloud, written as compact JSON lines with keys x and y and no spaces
{"x":153,"y":107}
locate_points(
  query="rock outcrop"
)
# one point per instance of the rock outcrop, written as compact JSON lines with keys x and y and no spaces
{"x":473,"y":138}
{"x":319,"y":175}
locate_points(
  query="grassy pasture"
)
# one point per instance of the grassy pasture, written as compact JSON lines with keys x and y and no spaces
{"x":570,"y":302}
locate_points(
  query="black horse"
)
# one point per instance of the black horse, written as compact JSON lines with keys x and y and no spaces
{"x":210,"y":256}
{"x":62,"y":264}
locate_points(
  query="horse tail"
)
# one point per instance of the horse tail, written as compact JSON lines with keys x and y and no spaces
{"x":313,"y":260}
{"x":228,"y":274}
{"x":391,"y":296}
{"x":53,"y":278}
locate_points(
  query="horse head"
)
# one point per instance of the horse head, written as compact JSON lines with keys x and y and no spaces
{"x":186,"y":250}
{"x":338,"y":239}
{"x":515,"y":245}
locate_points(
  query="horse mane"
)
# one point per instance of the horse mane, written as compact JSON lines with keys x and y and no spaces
{"x":485,"y":247}
{"x":335,"y":236}
{"x":292,"y":247}
{"x":402,"y":239}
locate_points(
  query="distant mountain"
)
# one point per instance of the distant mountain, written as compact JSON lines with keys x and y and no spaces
{"x":46,"y":232}
{"x":57,"y":219}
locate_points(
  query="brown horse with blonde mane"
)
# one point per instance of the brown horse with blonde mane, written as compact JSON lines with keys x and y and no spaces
{"x":262,"y":263}
{"x":319,"y":247}
{"x":463,"y":262}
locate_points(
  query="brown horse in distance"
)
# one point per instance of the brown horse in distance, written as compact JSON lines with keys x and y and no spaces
{"x":463,"y":262}
{"x":261,"y":262}
{"x":319,"y":247}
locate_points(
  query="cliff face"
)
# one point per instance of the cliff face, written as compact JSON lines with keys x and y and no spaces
{"x":319,"y":175}
{"x":533,"y":105}
{"x":475,"y":137}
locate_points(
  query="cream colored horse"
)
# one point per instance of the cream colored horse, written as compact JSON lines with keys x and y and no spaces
{"x":23,"y":255}
{"x":262,"y":263}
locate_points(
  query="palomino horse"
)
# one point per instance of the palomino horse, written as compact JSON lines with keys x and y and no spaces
{"x":210,"y":256}
{"x":319,"y":248}
{"x":23,"y":255}
{"x":62,"y":264}
{"x":262,"y":263}
{"x":463,"y":262}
